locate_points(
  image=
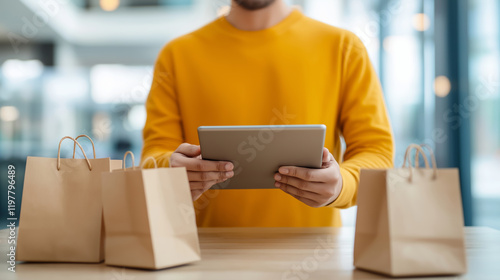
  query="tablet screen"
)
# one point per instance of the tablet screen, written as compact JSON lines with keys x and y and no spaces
{"x":258,"y":151}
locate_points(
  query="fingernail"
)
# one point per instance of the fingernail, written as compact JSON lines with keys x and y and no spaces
{"x":277,"y":177}
{"x":284,"y":170}
{"x":229,"y":166}
{"x":277,"y":184}
{"x":229,"y":174}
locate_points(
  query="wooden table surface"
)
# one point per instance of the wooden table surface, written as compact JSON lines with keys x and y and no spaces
{"x":264,"y":253}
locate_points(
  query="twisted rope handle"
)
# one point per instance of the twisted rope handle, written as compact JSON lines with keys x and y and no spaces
{"x":421,"y":151}
{"x":83,"y":135}
{"x":433,"y":159}
{"x":149,"y":158}
{"x":59,"y":153}
{"x":125,"y":157}
{"x":417,"y":154}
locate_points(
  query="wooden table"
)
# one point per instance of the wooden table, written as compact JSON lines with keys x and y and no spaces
{"x":264,"y":253}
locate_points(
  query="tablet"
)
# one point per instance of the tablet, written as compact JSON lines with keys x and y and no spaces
{"x":258,"y":151}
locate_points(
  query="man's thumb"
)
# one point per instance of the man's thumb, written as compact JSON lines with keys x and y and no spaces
{"x":189,"y":150}
{"x":326,"y":155}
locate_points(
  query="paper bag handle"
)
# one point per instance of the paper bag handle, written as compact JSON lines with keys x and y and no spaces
{"x":59,"y":153}
{"x":149,"y":158}
{"x":83,"y":135}
{"x":426,"y":161}
{"x":417,"y":153}
{"x":421,"y":151}
{"x":431,"y":153}
{"x":125,"y":157}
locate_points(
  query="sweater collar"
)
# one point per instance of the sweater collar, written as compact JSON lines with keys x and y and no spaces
{"x":294,"y":16}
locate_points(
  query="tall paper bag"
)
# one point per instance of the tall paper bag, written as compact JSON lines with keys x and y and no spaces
{"x":409,"y":221}
{"x":61,"y":210}
{"x":149,"y":218}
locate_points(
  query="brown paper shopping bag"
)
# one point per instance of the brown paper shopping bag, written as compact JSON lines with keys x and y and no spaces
{"x":149,"y":218}
{"x":61,"y":210}
{"x":409,"y":220}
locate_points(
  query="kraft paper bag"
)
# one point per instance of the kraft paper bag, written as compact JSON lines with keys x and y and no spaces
{"x":149,"y":218}
{"x":61,"y":210}
{"x":410,"y":221}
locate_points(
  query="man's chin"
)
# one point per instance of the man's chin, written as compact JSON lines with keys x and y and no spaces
{"x":253,"y":5}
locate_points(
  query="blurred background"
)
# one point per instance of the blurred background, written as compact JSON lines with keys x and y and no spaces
{"x":71,"y":67}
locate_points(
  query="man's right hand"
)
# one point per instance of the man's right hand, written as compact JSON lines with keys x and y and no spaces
{"x":202,"y":174}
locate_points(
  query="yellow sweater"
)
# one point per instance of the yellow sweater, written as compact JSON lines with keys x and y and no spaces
{"x":299,"y":71}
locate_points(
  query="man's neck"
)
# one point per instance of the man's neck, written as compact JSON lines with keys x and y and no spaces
{"x":258,"y":19}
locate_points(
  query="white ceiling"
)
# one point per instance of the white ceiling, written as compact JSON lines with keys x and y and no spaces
{"x":140,"y":26}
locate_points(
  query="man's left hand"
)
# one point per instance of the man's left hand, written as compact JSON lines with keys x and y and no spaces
{"x":314,"y":187}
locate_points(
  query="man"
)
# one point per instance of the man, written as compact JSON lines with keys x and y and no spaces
{"x":266,"y":63}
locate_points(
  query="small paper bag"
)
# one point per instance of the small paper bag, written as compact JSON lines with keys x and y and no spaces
{"x":410,"y":221}
{"x":61,"y":210}
{"x":149,"y":218}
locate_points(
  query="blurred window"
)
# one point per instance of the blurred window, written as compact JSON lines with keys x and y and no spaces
{"x":483,"y":109}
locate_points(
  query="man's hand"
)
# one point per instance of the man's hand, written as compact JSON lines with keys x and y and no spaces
{"x":202,"y":174}
{"x":314,"y":187}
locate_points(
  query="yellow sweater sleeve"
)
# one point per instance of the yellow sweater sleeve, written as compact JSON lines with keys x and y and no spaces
{"x":363,"y":122}
{"x":162,"y":132}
